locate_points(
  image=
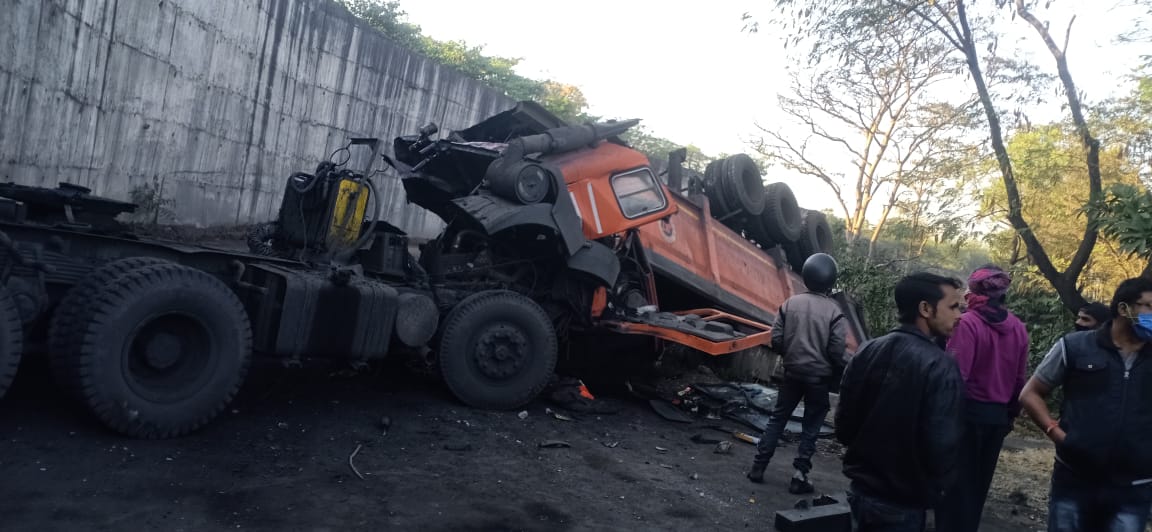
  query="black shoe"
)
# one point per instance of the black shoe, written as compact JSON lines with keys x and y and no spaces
{"x":800,"y":487}
{"x":756,"y":474}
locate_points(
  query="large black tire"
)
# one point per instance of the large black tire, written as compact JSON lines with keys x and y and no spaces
{"x":11,"y":341}
{"x":713,"y":190}
{"x":734,"y":186}
{"x":792,"y":253}
{"x":741,"y":184}
{"x":497,"y":350}
{"x":164,"y":349}
{"x":66,"y":328}
{"x":261,"y":238}
{"x":815,"y":235}
{"x":780,"y":223}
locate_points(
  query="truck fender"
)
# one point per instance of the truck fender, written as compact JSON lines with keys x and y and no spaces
{"x":496,"y":214}
{"x":597,"y":260}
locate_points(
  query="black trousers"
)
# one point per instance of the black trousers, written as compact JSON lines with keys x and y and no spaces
{"x":816,"y":405}
{"x":985,"y":427}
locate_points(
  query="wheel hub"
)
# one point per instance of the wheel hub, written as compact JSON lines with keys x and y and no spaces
{"x":501,"y":352}
{"x":162,"y":351}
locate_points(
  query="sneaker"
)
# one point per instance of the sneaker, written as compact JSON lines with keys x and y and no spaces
{"x":800,"y":486}
{"x":756,"y":474}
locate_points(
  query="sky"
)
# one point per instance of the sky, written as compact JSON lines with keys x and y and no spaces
{"x":689,"y":72}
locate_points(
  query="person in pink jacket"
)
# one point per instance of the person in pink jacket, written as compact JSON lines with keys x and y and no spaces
{"x":991,"y":347}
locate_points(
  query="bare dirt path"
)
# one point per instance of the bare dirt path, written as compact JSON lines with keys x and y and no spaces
{"x":278,"y":460}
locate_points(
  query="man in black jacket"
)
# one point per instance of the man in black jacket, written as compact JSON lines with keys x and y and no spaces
{"x":1102,"y":478}
{"x":900,"y":411}
{"x":810,"y":334}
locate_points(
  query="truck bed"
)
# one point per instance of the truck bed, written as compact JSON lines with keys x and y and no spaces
{"x":702,"y":256}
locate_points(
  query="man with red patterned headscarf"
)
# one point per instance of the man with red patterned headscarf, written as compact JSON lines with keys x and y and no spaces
{"x":991,"y":347}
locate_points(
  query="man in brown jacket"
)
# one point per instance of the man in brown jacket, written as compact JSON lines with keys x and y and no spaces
{"x":810,"y":334}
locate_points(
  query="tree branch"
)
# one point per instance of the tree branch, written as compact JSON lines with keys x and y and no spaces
{"x":1068,"y":34}
{"x":1091,"y":144}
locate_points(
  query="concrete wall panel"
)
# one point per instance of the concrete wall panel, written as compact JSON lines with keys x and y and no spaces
{"x":214,"y":102}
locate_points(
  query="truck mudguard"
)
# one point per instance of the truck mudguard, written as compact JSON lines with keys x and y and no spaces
{"x":597,"y":260}
{"x":496,"y":214}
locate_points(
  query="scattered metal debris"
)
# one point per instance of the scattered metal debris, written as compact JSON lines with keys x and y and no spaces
{"x":352,"y":465}
{"x":661,"y":449}
{"x":723,"y":447}
{"x":610,"y":444}
{"x":554,"y":444}
{"x":746,"y":438}
{"x":558,"y":415}
{"x":523,"y":414}
{"x":667,"y":411}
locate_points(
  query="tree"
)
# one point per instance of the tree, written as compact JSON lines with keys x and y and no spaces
{"x":869,"y":107}
{"x":656,"y":148}
{"x":1049,"y":166}
{"x":950,"y":20}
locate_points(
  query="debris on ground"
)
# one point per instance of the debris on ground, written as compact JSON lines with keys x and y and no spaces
{"x":723,"y":447}
{"x":523,"y":414}
{"x":667,"y":411}
{"x":821,"y":513}
{"x":554,"y":444}
{"x":572,"y":394}
{"x":557,"y":415}
{"x":352,"y":465}
{"x":750,"y":404}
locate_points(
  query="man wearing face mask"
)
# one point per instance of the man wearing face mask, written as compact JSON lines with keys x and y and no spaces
{"x":1102,"y":478}
{"x":1091,"y":316}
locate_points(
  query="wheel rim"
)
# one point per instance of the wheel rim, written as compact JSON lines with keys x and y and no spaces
{"x":501,"y":351}
{"x":166,"y":357}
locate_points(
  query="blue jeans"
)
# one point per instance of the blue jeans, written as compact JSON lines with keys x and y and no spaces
{"x":816,"y":405}
{"x":1077,"y":504}
{"x":870,"y":514}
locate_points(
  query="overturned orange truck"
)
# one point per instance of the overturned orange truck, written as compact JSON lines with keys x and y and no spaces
{"x":578,"y":222}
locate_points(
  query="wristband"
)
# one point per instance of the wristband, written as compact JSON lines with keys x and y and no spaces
{"x":1052,"y":425}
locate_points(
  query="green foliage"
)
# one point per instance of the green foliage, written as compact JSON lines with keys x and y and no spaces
{"x":870,"y":285}
{"x":1050,"y":167}
{"x":1126,"y":215}
{"x":657,"y":148}
{"x":1038,"y":306}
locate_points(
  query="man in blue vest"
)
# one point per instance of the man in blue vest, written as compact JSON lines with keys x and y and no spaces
{"x":1102,"y":478}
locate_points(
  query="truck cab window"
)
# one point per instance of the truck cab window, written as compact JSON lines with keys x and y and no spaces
{"x":638,"y":193}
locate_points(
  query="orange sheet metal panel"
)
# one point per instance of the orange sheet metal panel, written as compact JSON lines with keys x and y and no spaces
{"x":762,"y":336}
{"x":587,"y":173}
{"x":696,"y":242}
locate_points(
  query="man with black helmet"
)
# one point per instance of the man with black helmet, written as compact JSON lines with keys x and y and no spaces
{"x":809,"y":333}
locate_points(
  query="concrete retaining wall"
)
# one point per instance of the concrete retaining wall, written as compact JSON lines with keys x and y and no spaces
{"x":211,"y":102}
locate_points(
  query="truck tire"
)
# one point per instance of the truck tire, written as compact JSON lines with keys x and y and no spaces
{"x":497,"y":350}
{"x":741,"y":184}
{"x":11,"y":341}
{"x":780,"y":223}
{"x":815,"y":235}
{"x":164,"y":349}
{"x":712,"y":189}
{"x":66,"y":327}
